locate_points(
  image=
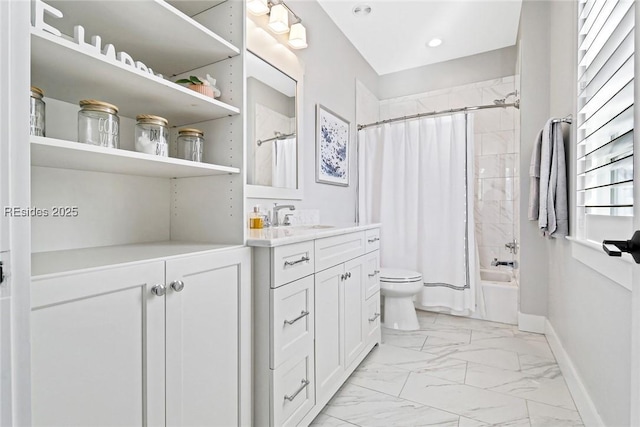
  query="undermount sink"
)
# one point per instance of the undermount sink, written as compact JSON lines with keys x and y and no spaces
{"x":315,"y":227}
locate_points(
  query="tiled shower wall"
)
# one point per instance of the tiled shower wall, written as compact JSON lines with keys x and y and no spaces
{"x":497,"y":147}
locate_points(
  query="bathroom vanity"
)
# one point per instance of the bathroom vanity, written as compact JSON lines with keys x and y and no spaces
{"x":316,"y":297}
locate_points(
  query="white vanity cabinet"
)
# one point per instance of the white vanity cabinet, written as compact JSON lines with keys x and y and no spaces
{"x":151,"y":343}
{"x":316,"y":316}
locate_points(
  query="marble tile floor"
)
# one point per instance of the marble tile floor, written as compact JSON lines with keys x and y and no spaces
{"x":455,"y":372}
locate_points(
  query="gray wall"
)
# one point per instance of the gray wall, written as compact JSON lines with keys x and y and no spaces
{"x":534,"y":112}
{"x":470,"y":69}
{"x":590,"y":313}
{"x":332,"y":65}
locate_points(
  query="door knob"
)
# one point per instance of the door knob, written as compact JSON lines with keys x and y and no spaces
{"x":159,"y":290}
{"x":177,"y":285}
{"x":616,"y":247}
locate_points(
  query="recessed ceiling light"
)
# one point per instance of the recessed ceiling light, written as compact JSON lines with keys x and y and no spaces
{"x":361,"y":10}
{"x":434,"y":43}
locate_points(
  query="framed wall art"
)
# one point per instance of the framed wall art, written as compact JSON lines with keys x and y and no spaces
{"x":332,"y":147}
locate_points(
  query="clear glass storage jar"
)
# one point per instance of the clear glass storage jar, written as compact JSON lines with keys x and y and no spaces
{"x":36,"y":112}
{"x":152,"y":135}
{"x":98,"y":123}
{"x":190,"y":142}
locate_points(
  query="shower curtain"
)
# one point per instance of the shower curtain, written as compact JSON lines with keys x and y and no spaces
{"x":284,"y":163}
{"x":417,"y":180}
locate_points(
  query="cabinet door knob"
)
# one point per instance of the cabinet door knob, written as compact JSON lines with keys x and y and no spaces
{"x":177,"y":285}
{"x":159,"y":290}
{"x":348,"y":274}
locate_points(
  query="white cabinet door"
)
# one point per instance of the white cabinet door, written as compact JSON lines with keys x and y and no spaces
{"x":203,"y":344}
{"x":98,"y":348}
{"x":329,"y":347}
{"x":353,"y":296}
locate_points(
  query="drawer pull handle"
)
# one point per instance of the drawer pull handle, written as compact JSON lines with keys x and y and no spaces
{"x":375,"y":239}
{"x":375,"y":273}
{"x":303,"y":313}
{"x":303,"y":259}
{"x":302,"y":387}
{"x":375,"y":316}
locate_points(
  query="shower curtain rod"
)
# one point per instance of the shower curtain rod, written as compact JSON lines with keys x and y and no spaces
{"x":275,"y":138}
{"x":515,"y":104}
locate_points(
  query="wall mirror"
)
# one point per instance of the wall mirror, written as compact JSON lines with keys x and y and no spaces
{"x":273,"y":129}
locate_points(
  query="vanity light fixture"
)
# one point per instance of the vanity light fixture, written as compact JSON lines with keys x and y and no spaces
{"x":279,"y":20}
{"x":434,"y":42}
{"x":258,"y":7}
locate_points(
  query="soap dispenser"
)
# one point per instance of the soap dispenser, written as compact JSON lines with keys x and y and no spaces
{"x":255,"y":218}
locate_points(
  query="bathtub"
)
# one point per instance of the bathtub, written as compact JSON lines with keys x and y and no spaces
{"x":500,"y":290}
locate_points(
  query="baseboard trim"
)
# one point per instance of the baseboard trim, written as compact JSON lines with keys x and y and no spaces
{"x":586,"y":408}
{"x":531,"y":323}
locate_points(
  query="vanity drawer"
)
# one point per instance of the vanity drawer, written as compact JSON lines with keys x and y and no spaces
{"x":291,"y":262}
{"x":292,"y":390}
{"x":372,"y":271}
{"x":335,"y":250}
{"x":292,"y":320}
{"x":372,"y":319}
{"x":372,"y":240}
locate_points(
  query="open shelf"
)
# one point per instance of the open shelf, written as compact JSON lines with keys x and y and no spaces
{"x":194,"y":7}
{"x":69,"y":74}
{"x":56,"y":153}
{"x":46,"y":264}
{"x":151,"y":31}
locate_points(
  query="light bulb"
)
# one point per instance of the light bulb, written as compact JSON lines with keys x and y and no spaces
{"x":257,"y":7}
{"x":298,"y":36}
{"x":279,"y":19}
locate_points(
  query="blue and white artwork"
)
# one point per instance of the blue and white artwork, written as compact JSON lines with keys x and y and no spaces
{"x":332,"y":143}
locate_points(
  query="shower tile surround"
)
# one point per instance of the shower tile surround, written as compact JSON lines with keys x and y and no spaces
{"x":497,"y":146}
{"x":456,"y":372}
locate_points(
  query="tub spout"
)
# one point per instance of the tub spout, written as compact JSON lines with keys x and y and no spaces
{"x":496,"y":263}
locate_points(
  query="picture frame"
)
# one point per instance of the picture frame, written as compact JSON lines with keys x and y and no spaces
{"x":332,"y":147}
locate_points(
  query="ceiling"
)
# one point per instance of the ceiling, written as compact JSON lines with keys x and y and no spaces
{"x":394,"y":35}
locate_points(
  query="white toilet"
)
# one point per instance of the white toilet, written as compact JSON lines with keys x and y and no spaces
{"x":398,"y":288}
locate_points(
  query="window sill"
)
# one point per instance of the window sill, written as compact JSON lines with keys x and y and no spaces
{"x":590,"y":253}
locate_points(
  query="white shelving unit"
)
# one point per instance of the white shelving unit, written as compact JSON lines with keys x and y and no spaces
{"x":56,"y":153}
{"x":154,"y":32}
{"x":128,"y":199}
{"x":70,"y":74}
{"x":46,"y":265}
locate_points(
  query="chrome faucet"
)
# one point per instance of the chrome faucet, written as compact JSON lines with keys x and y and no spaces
{"x":276,"y":209}
{"x":512,"y":246}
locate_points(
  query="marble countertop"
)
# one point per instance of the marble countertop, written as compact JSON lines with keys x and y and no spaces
{"x":284,"y":235}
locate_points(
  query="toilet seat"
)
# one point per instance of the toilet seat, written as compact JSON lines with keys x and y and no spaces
{"x":396,"y":275}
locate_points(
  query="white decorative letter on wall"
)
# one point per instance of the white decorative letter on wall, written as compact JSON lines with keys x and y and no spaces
{"x":40,"y":8}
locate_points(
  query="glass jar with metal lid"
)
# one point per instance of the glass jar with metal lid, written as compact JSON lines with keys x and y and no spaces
{"x":152,"y":135}
{"x":190,"y":142}
{"x":98,"y":123}
{"x":36,"y":112}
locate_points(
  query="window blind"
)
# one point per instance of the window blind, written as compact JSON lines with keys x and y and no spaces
{"x":605,"y":108}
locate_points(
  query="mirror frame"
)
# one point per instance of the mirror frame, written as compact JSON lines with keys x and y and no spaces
{"x":287,"y":63}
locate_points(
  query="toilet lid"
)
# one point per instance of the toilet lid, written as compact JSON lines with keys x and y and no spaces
{"x":398,"y":276}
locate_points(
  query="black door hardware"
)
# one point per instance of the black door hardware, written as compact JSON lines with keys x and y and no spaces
{"x":1,"y":273}
{"x":616,"y":247}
